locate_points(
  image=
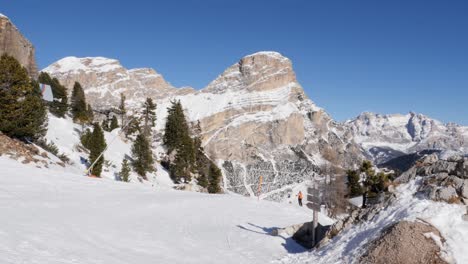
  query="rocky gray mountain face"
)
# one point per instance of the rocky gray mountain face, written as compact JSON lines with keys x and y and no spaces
{"x":384,"y":137}
{"x":15,"y":44}
{"x":257,"y":121}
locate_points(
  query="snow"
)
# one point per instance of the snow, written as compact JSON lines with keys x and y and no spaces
{"x":350,"y":244}
{"x":204,"y":104}
{"x":89,"y":64}
{"x":58,"y":216}
{"x":2,"y":15}
{"x":273,"y":54}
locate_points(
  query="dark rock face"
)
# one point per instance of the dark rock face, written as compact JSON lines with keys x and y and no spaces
{"x":304,"y":236}
{"x":16,"y":45}
{"x":405,"y":242}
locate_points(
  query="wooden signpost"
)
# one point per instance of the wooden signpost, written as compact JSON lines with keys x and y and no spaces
{"x":314,"y":202}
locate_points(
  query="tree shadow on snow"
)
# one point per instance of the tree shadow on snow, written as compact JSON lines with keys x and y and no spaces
{"x":289,"y":244}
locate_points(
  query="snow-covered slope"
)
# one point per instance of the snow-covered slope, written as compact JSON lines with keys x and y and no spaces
{"x":352,"y":243}
{"x":57,"y":216}
{"x":65,"y":135}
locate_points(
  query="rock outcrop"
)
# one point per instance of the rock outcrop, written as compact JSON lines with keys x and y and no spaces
{"x":13,"y":43}
{"x":406,"y":242}
{"x":443,"y":180}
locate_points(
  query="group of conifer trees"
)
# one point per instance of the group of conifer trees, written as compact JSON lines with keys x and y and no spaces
{"x":186,"y":155}
{"x":23,"y":115}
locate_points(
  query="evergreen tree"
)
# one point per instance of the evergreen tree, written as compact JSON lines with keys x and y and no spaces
{"x":86,"y":138}
{"x":354,"y":186}
{"x":142,"y":156}
{"x":179,"y":142}
{"x":97,"y":144}
{"x":22,"y":111}
{"x":114,"y":123}
{"x":149,"y":116}
{"x":122,"y":109}
{"x":125,"y":171}
{"x":214,"y":178}
{"x":79,"y":109}
{"x":132,"y":127}
{"x":59,"y":106}
{"x":90,"y":113}
{"x":105,"y":125}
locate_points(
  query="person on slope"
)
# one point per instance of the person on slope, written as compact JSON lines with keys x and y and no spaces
{"x":299,"y":198}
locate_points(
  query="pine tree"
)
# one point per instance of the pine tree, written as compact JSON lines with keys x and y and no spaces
{"x":132,"y":127}
{"x":177,"y":140}
{"x":114,"y":123}
{"x":125,"y":171}
{"x":142,"y":156}
{"x":85,"y":138}
{"x":22,"y":111}
{"x":90,"y":113}
{"x":59,"y":106}
{"x":214,"y":178}
{"x":149,"y":116}
{"x":97,"y":144}
{"x":354,"y":186}
{"x":105,"y":125}
{"x":122,"y":109}
{"x":78,"y":104}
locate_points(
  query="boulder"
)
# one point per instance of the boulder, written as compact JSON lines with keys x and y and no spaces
{"x":454,"y":181}
{"x":446,"y":194}
{"x":405,"y":242}
{"x":456,"y":158}
{"x":304,"y":237}
{"x":407,"y":175}
{"x":444,"y":166}
{"x":430,"y":159}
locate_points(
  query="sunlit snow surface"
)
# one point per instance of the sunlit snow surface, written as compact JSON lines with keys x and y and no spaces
{"x":55,"y":216}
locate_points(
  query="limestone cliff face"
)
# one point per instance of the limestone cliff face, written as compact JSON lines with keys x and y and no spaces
{"x":16,"y":45}
{"x":103,"y":80}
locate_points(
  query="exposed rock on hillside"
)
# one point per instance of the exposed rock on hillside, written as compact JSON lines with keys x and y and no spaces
{"x":15,"y":44}
{"x":406,"y":242}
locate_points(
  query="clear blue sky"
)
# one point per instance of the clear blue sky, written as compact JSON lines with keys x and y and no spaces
{"x":350,"y":56}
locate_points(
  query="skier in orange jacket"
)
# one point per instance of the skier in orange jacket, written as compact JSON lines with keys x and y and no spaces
{"x":299,"y":198}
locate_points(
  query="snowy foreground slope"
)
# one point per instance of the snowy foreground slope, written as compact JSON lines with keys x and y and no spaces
{"x":54,"y":216}
{"x":352,"y":243}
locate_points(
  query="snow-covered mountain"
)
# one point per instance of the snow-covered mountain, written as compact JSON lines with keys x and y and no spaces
{"x":385,"y":136}
{"x":257,"y":120}
{"x":255,"y":117}
{"x":105,"y":79}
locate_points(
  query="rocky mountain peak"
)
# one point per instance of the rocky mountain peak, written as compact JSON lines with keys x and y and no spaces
{"x":15,"y":44}
{"x":261,"y":71}
{"x":103,"y":79}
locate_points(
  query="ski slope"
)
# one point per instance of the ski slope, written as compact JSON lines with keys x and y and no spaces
{"x":56,"y":216}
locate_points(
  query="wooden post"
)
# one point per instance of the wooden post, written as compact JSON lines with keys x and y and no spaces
{"x":315,"y":224}
{"x":259,"y":187}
